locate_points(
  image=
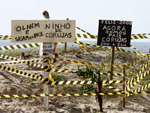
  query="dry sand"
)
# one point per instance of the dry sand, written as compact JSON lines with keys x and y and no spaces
{"x":111,"y":104}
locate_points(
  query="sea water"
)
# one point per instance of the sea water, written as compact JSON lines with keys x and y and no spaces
{"x":142,"y":46}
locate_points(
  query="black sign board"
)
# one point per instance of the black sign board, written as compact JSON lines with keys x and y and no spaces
{"x":114,"y":33}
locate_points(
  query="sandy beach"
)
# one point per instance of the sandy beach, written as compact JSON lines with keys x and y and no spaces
{"x":16,"y":84}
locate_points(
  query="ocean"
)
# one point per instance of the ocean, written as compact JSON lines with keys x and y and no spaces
{"x":142,"y":46}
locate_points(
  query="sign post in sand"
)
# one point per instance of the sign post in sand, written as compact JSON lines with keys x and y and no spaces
{"x":49,"y":31}
{"x":114,"y":33}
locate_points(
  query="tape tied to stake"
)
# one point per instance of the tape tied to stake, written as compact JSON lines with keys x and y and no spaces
{"x":50,"y":76}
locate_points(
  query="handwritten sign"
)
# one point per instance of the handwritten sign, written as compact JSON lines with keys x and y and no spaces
{"x":114,"y":33}
{"x":43,"y":31}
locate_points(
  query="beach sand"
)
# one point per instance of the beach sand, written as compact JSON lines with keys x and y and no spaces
{"x":111,"y":104}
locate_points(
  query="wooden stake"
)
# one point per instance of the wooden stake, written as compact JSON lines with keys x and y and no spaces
{"x":65,"y":49}
{"x":112,"y":62}
{"x":124,"y":86}
{"x":46,"y":91}
{"x":100,"y":96}
{"x":148,"y":55}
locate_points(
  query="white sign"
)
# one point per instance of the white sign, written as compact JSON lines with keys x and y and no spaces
{"x":43,"y":31}
{"x":48,"y":47}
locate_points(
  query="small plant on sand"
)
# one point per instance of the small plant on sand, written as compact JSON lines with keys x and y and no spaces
{"x":94,"y":74}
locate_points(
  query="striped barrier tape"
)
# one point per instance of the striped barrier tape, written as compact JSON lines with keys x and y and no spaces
{"x":65,"y":82}
{"x":9,"y":57}
{"x":82,"y":43}
{"x":126,"y":51}
{"x":84,"y":94}
{"x":139,"y":36}
{"x":109,"y":48}
{"x":47,"y":82}
{"x":136,"y":50}
{"x":86,"y":36}
{"x":117,"y":48}
{"x":109,"y":82}
{"x":131,"y":80}
{"x":21,"y":46}
{"x":30,"y":62}
{"x":138,"y":60}
{"x":75,"y":72}
{"x":21,"y":61}
{"x":114,"y":89}
{"x":38,"y":65}
{"x":5,"y":37}
{"x":112,"y":82}
{"x":87,"y":33}
{"x":105,"y":82}
{"x":12,"y":70}
{"x":133,"y":36}
{"x":44,"y":80}
{"x":120,"y":49}
{"x":17,"y":61}
{"x":79,"y":62}
{"x":141,"y":67}
{"x":141,"y":89}
{"x":70,"y":61}
{"x":83,"y":46}
{"x":46,"y":67}
{"x":135,"y":80}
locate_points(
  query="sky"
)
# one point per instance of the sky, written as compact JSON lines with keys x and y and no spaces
{"x":86,"y":13}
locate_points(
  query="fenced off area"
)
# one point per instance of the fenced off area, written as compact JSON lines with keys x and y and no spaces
{"x":94,"y":76}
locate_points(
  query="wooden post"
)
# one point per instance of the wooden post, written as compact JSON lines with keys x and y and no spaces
{"x":124,"y":86}
{"x":100,"y":96}
{"x":46,"y":90}
{"x":65,"y":49}
{"x":149,"y":53}
{"x":112,"y":62}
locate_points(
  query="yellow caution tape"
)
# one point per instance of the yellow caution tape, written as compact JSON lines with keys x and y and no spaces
{"x":141,"y":89}
{"x":133,"y":36}
{"x":50,"y":76}
{"x":84,"y":94}
{"x":137,"y":79}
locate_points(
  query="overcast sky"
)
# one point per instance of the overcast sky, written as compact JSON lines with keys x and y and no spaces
{"x":85,"y":12}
